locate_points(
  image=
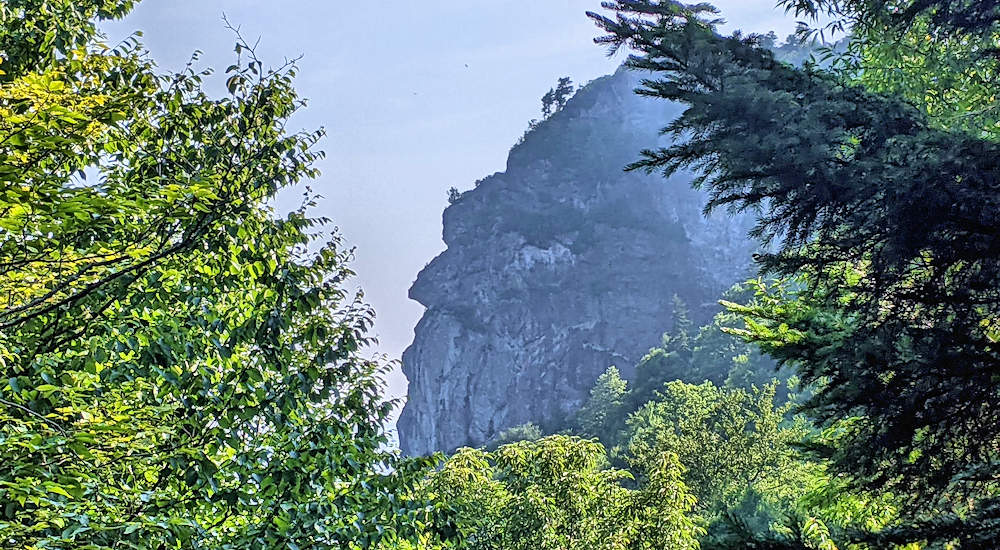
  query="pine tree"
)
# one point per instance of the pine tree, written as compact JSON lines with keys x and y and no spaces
{"x":886,"y":212}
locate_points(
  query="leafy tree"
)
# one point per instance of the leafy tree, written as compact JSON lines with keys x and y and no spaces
{"x":938,"y":55}
{"x":29,"y":41}
{"x":453,"y":195}
{"x":742,"y":459}
{"x":886,"y":206}
{"x":601,"y":414}
{"x":181,"y":368}
{"x":711,"y":354}
{"x":523,"y":432}
{"x":554,"y":494}
{"x":730,"y":441}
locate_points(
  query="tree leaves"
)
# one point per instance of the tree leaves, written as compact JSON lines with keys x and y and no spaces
{"x":554,"y":493}
{"x":181,"y":367}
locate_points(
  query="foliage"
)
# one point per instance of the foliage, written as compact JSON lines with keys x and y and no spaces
{"x":882,"y":203}
{"x":555,"y":99}
{"x":730,"y":441}
{"x":940,"y":55}
{"x":453,"y":195}
{"x":34,"y":33}
{"x":181,"y":368}
{"x":817,"y":509}
{"x":742,"y":458}
{"x":603,"y":410}
{"x":554,"y":494}
{"x":711,"y":355}
{"x":523,"y":432}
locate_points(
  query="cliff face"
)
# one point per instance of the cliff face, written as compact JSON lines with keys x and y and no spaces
{"x":558,"y":268}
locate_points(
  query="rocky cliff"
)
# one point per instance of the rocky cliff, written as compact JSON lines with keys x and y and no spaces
{"x":557,"y":268}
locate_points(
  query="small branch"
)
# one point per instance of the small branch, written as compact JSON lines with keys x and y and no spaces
{"x":35,"y":414}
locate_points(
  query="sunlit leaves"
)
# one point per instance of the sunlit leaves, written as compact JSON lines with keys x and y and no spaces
{"x":555,"y":493}
{"x":181,"y":367}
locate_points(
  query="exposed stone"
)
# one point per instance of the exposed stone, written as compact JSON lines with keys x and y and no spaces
{"x":557,"y":268}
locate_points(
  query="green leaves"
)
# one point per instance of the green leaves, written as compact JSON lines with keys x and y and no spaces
{"x":731,"y":441}
{"x":555,"y":493}
{"x":180,"y":371}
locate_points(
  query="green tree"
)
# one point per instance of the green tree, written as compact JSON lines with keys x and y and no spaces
{"x":886,"y":206}
{"x":554,"y":494}
{"x":742,"y":458}
{"x":711,"y":354}
{"x":522,"y":432}
{"x":938,"y":55}
{"x":671,"y":361}
{"x":181,"y":368}
{"x":730,"y":441}
{"x":600,"y":416}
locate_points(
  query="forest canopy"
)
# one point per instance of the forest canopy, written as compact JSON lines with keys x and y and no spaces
{"x":184,"y":367}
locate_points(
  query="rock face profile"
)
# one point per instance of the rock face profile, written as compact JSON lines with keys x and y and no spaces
{"x":558,"y":267}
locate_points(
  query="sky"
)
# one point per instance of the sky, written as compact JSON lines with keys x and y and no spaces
{"x":415,"y":97}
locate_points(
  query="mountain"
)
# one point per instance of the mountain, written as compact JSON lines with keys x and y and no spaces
{"x":558,"y":267}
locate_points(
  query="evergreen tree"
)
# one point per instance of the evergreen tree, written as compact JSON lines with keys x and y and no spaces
{"x":556,"y":98}
{"x":562,"y":92}
{"x":671,"y":361}
{"x":885,"y":208}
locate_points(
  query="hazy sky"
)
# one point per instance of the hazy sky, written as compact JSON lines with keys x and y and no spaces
{"x":416,"y":97}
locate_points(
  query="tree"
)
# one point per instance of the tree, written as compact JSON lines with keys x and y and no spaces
{"x":182,"y":368}
{"x":709,"y":355}
{"x":729,"y":441}
{"x":671,"y":361}
{"x":554,"y":493}
{"x":562,"y":93}
{"x":938,"y":55}
{"x":555,"y":99}
{"x":742,"y":458}
{"x":887,"y":217}
{"x":601,"y":414}
{"x":548,"y":103}
{"x":453,"y":195}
